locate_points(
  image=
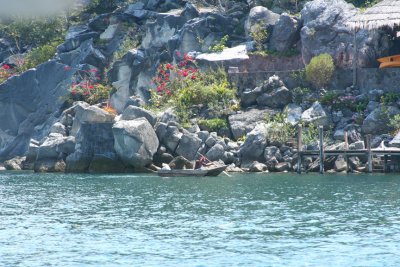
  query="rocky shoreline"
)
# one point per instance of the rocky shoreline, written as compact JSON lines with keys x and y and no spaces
{"x":40,"y":132}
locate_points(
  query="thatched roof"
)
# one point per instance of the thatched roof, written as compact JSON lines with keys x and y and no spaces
{"x":383,"y":14}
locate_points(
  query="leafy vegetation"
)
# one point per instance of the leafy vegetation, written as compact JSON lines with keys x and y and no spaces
{"x":6,"y":72}
{"x":186,"y":88}
{"x":260,"y":35}
{"x":320,"y":70}
{"x":33,"y":31}
{"x":213,"y":125}
{"x":219,"y":46}
{"x":87,"y":87}
{"x":394,"y":122}
{"x":280,"y":129}
{"x":38,"y":55}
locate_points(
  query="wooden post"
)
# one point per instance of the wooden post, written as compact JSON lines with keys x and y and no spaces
{"x":385,"y":161}
{"x":369,"y":153}
{"x":321,"y":149}
{"x":299,"y":148}
{"x":346,"y":147}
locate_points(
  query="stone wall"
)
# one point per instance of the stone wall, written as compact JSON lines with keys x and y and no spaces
{"x":383,"y":79}
{"x":257,"y":63}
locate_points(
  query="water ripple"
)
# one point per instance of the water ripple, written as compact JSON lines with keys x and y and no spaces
{"x":245,"y":220}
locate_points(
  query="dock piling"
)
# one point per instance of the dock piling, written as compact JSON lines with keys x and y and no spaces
{"x":321,"y":149}
{"x":369,"y":154}
{"x":299,"y":148}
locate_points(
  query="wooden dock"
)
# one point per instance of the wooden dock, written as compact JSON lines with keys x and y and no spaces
{"x":346,"y":153}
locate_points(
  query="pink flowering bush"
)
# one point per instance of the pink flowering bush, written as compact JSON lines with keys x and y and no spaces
{"x":6,"y":72}
{"x":87,"y":87}
{"x":187,"y":88}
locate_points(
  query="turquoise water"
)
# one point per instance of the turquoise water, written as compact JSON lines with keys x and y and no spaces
{"x":244,"y":220}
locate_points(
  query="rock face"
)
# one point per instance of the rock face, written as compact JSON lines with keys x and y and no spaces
{"x":325,"y":31}
{"x":135,"y":142}
{"x":262,"y":16}
{"x":132,"y":113}
{"x":316,"y":114}
{"x":94,"y":150}
{"x":274,"y":94}
{"x":41,"y":90}
{"x":188,"y":146}
{"x":244,"y":122}
{"x":286,"y":33}
{"x":256,"y":141}
{"x":377,"y":122}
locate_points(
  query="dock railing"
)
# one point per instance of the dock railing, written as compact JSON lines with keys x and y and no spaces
{"x":368,"y":152}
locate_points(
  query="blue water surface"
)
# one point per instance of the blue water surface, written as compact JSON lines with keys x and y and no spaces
{"x":243,"y":220}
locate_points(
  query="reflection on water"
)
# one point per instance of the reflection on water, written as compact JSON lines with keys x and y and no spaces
{"x":244,"y":220}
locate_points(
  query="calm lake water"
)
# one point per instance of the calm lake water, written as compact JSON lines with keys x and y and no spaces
{"x":244,"y":220}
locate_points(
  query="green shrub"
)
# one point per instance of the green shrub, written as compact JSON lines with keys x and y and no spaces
{"x":39,"y":55}
{"x":320,"y":70}
{"x":299,"y":94}
{"x":389,"y":98}
{"x":213,"y":125}
{"x":311,"y":134}
{"x":259,"y":34}
{"x":33,"y":32}
{"x":395,"y":122}
{"x":187,"y":88}
{"x":219,"y":46}
{"x":279,"y":129}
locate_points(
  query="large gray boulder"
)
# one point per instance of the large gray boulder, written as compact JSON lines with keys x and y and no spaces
{"x":188,"y":146}
{"x":169,"y":135}
{"x":294,"y":113}
{"x":254,"y":145}
{"x":56,"y":146}
{"x":277,"y":98}
{"x":286,"y":33}
{"x":396,"y":141}
{"x":127,"y":76}
{"x":135,"y":142}
{"x":274,"y":94}
{"x":93,"y":114}
{"x":262,"y":16}
{"x":94,"y":150}
{"x":132,"y":113}
{"x":377,"y":122}
{"x":244,"y":122}
{"x":316,"y":114}
{"x":215,"y":153}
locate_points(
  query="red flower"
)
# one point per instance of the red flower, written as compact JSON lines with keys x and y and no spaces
{"x":185,"y":73}
{"x":169,"y":66}
{"x":73,"y":92}
{"x":193,"y":77}
{"x":6,"y":67}
{"x":178,"y":53}
{"x":187,"y":57}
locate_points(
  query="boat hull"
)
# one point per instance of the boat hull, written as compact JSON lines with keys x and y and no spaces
{"x":214,"y":171}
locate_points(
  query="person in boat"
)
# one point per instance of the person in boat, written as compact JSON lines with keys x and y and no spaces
{"x":200,"y":162}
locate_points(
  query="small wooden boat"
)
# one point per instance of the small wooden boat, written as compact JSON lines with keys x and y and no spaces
{"x":203,"y":171}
